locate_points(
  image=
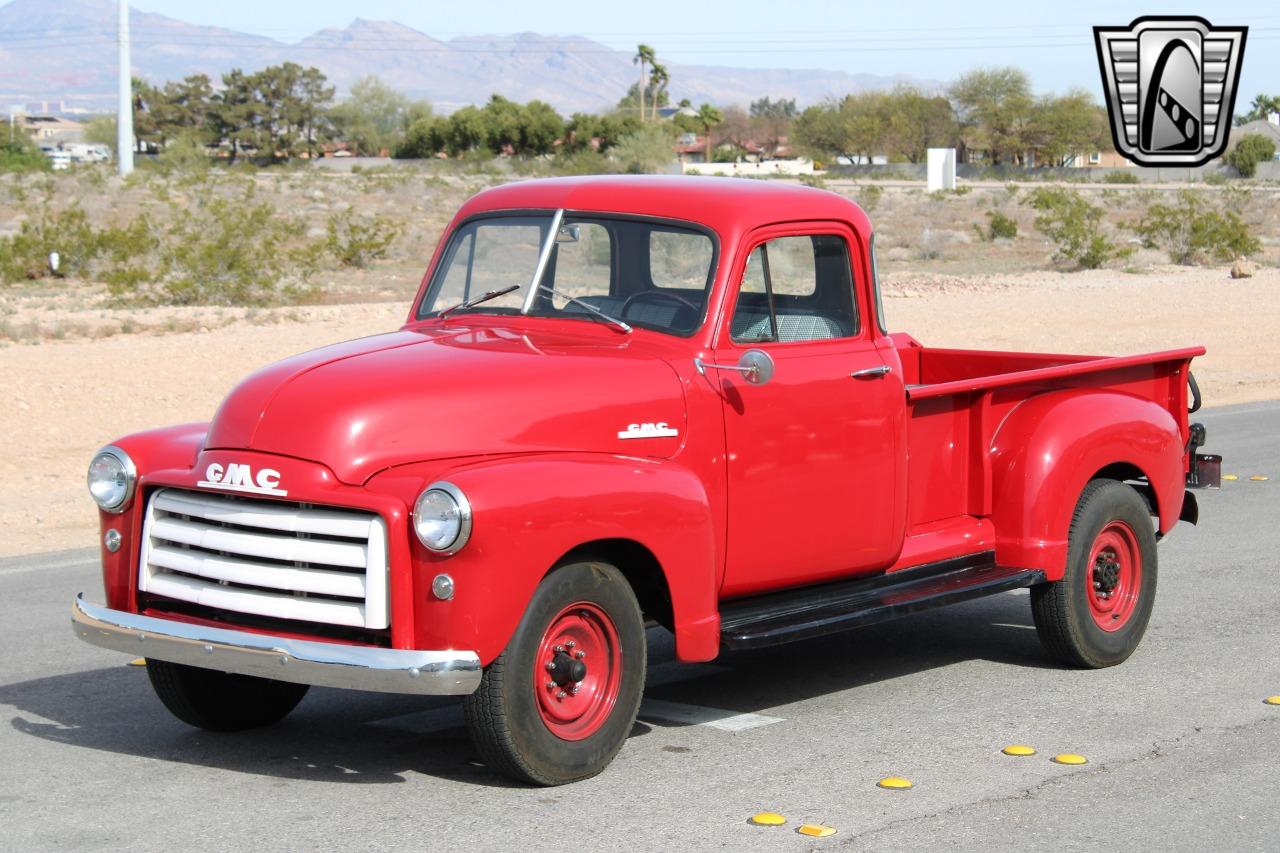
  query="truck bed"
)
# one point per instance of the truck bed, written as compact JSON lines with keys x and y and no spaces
{"x":957,"y":400}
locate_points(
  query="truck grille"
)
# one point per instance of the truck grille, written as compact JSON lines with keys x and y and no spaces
{"x":266,"y":558}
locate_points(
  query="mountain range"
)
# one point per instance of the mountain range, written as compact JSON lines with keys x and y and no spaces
{"x":64,"y":52}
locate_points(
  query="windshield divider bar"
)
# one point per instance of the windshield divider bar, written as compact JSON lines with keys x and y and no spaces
{"x":544,"y":257}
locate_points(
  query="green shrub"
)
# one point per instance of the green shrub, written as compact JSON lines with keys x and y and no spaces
{"x":1252,"y":149}
{"x":1190,"y":231}
{"x":1214,"y":179}
{"x":869,"y":197}
{"x":25,"y":255}
{"x":21,"y":154}
{"x":1075,"y":227}
{"x":1120,"y":178}
{"x":645,"y":150}
{"x":356,"y":241}
{"x":1000,"y":226}
{"x":218,"y":251}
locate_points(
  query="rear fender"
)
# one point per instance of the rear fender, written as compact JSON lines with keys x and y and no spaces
{"x":1050,"y":446}
{"x":531,"y":511}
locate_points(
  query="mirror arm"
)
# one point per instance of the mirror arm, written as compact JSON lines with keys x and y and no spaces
{"x":703,"y":366}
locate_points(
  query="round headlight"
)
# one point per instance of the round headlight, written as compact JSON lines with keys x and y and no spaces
{"x":111,"y":479}
{"x":442,"y":518}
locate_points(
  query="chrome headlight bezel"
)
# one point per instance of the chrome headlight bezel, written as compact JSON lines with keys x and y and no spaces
{"x":126,"y":468}
{"x":461,"y":518}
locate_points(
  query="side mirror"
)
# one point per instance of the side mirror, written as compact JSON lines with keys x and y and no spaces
{"x":756,"y":366}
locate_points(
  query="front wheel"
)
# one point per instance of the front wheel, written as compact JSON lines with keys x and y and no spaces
{"x":558,"y":703}
{"x":222,"y":701}
{"x":1096,"y":615}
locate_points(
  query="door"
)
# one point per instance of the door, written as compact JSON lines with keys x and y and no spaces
{"x":814,"y":454}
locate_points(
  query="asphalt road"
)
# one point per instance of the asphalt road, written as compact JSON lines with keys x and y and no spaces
{"x":1183,"y":754}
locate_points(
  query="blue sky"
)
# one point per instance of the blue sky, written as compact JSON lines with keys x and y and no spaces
{"x":935,"y":40}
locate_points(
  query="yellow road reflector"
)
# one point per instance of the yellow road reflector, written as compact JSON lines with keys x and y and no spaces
{"x":1018,"y":749}
{"x":1230,"y":477}
{"x":1272,"y":700}
{"x":1070,"y":758}
{"x":894,"y":783}
{"x":768,"y":819}
{"x":138,"y":662}
{"x":816,"y":830}
{"x":1259,"y":478}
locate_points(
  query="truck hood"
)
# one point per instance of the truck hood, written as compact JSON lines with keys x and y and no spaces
{"x":365,"y":405}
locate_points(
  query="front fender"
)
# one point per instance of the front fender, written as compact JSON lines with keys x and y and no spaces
{"x":529,"y":511}
{"x":1050,"y":446}
{"x":153,"y":450}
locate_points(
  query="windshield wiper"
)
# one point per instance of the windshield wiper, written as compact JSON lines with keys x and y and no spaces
{"x":593,"y":309}
{"x":471,"y":303}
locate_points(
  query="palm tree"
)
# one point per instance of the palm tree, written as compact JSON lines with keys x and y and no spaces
{"x":644,"y":57}
{"x":658,"y":80}
{"x":709,"y":117}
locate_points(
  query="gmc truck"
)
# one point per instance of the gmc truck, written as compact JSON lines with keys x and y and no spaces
{"x":618,"y":400}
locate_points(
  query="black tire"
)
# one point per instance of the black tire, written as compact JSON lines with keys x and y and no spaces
{"x":505,"y":716}
{"x":1064,"y":616}
{"x":222,"y":701}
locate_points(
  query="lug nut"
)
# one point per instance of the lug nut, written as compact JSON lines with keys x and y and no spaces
{"x":575,"y":689}
{"x":559,"y":648}
{"x":551,"y":665}
{"x":579,"y":654}
{"x":570,"y":644}
{"x":550,"y":684}
{"x":561,"y":695}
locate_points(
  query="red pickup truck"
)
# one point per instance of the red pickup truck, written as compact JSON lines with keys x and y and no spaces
{"x":617,"y":400}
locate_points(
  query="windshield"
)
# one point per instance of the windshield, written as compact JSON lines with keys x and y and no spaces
{"x":653,"y":275}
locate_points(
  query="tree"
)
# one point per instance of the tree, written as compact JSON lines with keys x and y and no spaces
{"x":540,"y":127}
{"x":425,"y":137}
{"x":770,"y":121}
{"x":1065,"y":126}
{"x":1252,"y":149}
{"x":994,"y":106}
{"x":856,"y":128}
{"x":646,"y":149}
{"x":709,"y":117}
{"x":916,"y":122}
{"x":658,"y":80}
{"x":1262,"y":106}
{"x":375,"y":117}
{"x":644,"y":57}
{"x":467,"y":131}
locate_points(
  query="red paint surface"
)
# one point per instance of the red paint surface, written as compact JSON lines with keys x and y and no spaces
{"x":810,"y":477}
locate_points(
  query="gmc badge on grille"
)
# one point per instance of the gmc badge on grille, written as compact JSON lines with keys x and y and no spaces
{"x":237,"y":477}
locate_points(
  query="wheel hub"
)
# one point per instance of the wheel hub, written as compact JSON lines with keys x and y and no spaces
{"x":1106,"y":574}
{"x":566,"y":671}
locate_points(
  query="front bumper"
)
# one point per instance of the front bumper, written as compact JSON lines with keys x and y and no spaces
{"x":434,"y":673}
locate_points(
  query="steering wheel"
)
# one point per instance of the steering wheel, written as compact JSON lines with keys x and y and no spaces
{"x":659,"y":294}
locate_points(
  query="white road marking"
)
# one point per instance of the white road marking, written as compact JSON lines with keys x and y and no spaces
{"x":697,"y":715}
{"x":44,"y":567}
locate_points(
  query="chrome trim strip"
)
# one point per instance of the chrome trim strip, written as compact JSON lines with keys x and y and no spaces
{"x":544,"y":257}
{"x":434,"y":673}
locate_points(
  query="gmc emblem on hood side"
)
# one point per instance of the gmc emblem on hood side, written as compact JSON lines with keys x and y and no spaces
{"x":237,"y":477}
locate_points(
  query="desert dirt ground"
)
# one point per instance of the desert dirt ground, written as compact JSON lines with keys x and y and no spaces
{"x":65,"y":398}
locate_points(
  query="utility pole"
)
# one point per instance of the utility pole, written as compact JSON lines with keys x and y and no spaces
{"x":124,"y":112}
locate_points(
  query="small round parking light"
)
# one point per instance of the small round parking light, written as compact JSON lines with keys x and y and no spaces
{"x":442,"y":587}
{"x":112,"y":540}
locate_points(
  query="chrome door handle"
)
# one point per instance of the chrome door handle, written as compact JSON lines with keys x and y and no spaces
{"x":871,"y":372}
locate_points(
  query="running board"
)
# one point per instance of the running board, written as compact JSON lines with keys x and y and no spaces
{"x":799,"y":614}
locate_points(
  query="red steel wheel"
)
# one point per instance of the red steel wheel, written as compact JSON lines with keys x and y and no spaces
{"x":1116,"y":576}
{"x":1096,"y":614}
{"x":578,"y":671}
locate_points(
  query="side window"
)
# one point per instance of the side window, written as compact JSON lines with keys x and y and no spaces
{"x":584,"y":267}
{"x":796,"y":289}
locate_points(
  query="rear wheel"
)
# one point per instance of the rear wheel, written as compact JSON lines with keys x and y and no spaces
{"x":559,"y":702}
{"x":1096,"y":615}
{"x":222,"y":701}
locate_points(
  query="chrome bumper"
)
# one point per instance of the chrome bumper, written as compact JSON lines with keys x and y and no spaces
{"x":436,"y":673}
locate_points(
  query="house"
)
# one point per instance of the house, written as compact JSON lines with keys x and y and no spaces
{"x":1099,"y":160}
{"x":49,"y":129}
